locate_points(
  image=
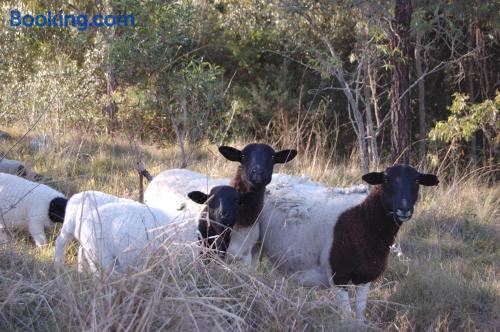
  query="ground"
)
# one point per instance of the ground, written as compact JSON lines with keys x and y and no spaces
{"x":445,"y":279}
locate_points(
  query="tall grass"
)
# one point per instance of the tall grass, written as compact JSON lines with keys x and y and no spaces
{"x":445,"y":279}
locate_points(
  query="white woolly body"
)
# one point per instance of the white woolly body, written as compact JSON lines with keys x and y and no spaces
{"x":168,"y":191}
{"x":121,"y":234}
{"x":12,"y":167}
{"x":25,"y":204}
{"x":297,"y":223}
{"x":79,"y":206}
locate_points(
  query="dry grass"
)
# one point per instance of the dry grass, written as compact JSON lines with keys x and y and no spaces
{"x":446,"y":280}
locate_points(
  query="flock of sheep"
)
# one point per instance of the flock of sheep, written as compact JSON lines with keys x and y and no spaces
{"x":318,"y":235}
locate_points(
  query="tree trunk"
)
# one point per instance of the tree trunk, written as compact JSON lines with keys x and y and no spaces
{"x":369,"y":121}
{"x":400,"y":97}
{"x":470,"y":85}
{"x":372,"y":75}
{"x":358,"y":123}
{"x":111,"y":108}
{"x":111,"y":83}
{"x":421,"y":97}
{"x":180,"y":133}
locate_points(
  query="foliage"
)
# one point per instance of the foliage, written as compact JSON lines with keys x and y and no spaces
{"x":226,"y":70}
{"x":467,"y":118}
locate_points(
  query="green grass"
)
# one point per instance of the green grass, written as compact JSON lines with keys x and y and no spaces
{"x":447,"y":279}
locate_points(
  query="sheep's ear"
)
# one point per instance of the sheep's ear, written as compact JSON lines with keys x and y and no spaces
{"x":198,"y":197}
{"x":230,"y":153}
{"x":21,"y":171}
{"x":428,"y":180}
{"x":374,"y":178}
{"x":284,"y":156}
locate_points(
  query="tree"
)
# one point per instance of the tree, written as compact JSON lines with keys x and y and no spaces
{"x":400,"y":96}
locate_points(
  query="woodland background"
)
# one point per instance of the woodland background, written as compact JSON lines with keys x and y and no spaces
{"x":374,"y":80}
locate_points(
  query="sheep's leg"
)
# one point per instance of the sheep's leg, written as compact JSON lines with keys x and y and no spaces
{"x":81,"y":259}
{"x":85,"y":261}
{"x":342,"y":296}
{"x":243,"y":240}
{"x":257,"y":254}
{"x":62,"y":240}
{"x":361,"y":299}
{"x":37,"y":233}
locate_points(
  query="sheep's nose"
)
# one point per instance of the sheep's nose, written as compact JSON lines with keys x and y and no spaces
{"x":403,"y":214}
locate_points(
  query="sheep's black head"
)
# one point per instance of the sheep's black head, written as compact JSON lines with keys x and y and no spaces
{"x":257,"y":162}
{"x":222,"y":210}
{"x":400,"y":185}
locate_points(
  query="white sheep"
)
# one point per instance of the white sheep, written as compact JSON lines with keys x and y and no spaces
{"x":18,"y":168}
{"x":26,"y":204}
{"x":79,"y":205}
{"x":120,"y":235}
{"x":169,"y":189}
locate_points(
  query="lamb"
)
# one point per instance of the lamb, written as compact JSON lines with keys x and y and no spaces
{"x":18,"y":168}
{"x":220,"y":212}
{"x":117,"y":233}
{"x":319,"y":236}
{"x":169,"y":189}
{"x":78,"y":206}
{"x":253,"y":175}
{"x":26,"y":204}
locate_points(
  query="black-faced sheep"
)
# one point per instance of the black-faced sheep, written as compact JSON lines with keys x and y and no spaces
{"x":320,"y":237}
{"x":221,"y":211}
{"x":253,"y":175}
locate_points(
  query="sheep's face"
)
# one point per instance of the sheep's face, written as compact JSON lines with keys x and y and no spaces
{"x":221,"y":210}
{"x":257,"y":162}
{"x":400,"y":185}
{"x":26,"y":172}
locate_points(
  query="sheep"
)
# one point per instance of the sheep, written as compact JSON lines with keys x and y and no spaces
{"x":116,"y":233}
{"x":220,"y":213}
{"x":253,"y":175}
{"x":78,"y":206}
{"x":319,"y":236}
{"x":18,"y":168}
{"x":169,"y":189}
{"x":26,"y":204}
